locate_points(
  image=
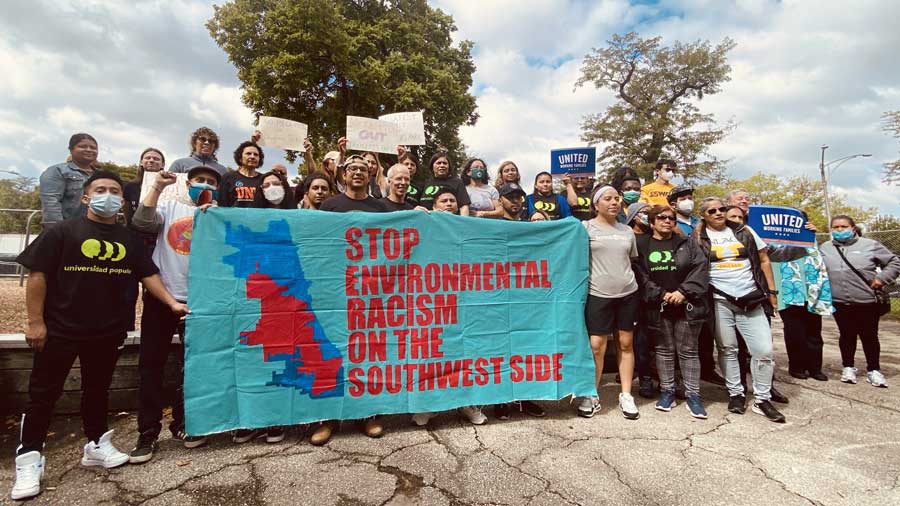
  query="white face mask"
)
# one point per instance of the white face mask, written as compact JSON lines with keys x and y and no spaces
{"x":274,"y":194}
{"x":666,"y":175}
{"x":686,"y":207}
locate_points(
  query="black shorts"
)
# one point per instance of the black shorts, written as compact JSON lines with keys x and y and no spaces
{"x":605,"y":316}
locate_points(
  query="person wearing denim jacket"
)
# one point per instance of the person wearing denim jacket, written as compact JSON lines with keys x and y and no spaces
{"x":62,"y":185}
{"x":804,"y":296}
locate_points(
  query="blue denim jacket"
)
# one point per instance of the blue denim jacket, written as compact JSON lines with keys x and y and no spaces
{"x":61,"y":188}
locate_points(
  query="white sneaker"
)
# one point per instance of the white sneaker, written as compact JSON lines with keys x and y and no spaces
{"x":629,"y":409}
{"x":848,"y":375}
{"x":103,"y":453}
{"x":588,"y":406}
{"x":422,"y":419}
{"x":876,"y":379}
{"x":473,"y":414}
{"x":29,"y":471}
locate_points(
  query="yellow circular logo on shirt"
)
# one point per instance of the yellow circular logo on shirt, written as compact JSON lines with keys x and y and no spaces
{"x":103,"y":250}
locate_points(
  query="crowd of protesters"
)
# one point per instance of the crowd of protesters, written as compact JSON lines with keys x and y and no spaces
{"x":670,"y":279}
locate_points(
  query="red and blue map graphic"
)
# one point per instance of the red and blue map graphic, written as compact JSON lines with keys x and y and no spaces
{"x":287,"y":329}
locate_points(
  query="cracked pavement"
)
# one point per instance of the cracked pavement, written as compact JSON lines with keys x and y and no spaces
{"x":841,"y":445}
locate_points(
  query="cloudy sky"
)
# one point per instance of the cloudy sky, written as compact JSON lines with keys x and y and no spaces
{"x":147,"y":73}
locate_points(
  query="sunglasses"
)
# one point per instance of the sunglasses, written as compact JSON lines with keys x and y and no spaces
{"x":716,"y":210}
{"x":207,"y":140}
{"x":665,"y":217}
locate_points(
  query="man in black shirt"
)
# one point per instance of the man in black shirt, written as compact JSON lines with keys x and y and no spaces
{"x":356,"y":197}
{"x":398,"y":185}
{"x":512,"y":196}
{"x":76,"y":306}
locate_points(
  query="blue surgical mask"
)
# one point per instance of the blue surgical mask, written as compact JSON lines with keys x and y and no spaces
{"x":631,"y":196}
{"x":841,"y":235}
{"x":197,"y":189}
{"x":105,"y":205}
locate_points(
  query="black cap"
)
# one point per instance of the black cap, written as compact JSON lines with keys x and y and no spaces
{"x":678,"y":191}
{"x":511,"y":188}
{"x":204,"y":169}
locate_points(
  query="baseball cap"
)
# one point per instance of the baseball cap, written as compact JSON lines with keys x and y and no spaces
{"x":509,"y":189}
{"x":204,"y":170}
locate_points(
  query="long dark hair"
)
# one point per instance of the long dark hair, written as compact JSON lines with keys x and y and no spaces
{"x":288,"y":202}
{"x":466,"y":174}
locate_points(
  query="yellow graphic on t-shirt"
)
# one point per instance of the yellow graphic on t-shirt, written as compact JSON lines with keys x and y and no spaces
{"x":103,"y":250}
{"x":729,"y":265}
{"x":548,"y":207}
{"x":733,"y":247}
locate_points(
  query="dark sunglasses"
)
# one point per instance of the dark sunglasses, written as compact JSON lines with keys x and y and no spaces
{"x":715,"y":210}
{"x":207,"y":140}
{"x":665,"y":217}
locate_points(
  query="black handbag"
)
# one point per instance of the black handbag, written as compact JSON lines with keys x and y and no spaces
{"x":882,"y":299}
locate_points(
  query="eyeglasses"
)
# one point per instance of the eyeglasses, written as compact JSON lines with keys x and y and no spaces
{"x":665,"y":217}
{"x":207,"y":140}
{"x":356,"y":168}
{"x":716,"y":210}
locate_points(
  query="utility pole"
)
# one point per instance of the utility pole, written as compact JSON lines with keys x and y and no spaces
{"x":825,"y":186}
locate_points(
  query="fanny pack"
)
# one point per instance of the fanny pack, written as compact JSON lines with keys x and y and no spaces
{"x":747,"y":302}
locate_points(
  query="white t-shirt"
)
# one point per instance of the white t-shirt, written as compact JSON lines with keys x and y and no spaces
{"x":173,"y":246}
{"x":482,"y":197}
{"x":730,"y":272}
{"x":612,"y":249}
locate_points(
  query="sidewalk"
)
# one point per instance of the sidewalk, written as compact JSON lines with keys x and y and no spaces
{"x":841,"y":445}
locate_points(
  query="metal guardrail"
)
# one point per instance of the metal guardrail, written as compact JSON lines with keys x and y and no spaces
{"x":27,"y":232}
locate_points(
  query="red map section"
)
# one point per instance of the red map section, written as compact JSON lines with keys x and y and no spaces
{"x":285,"y":333}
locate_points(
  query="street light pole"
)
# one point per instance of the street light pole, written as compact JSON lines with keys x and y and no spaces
{"x":825,"y":186}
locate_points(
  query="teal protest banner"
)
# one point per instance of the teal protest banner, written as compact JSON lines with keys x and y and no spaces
{"x":301,"y":316}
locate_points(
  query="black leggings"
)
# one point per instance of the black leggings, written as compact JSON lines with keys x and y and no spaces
{"x":803,"y":339}
{"x":858,"y":320}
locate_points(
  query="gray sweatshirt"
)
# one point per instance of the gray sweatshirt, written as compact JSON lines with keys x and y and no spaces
{"x":195,"y":160}
{"x":865,"y":254}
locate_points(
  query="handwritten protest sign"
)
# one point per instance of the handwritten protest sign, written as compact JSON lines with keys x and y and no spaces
{"x":281,"y":133}
{"x":367,"y":134}
{"x":176,"y":191}
{"x":780,"y":225}
{"x":412,"y":127}
{"x":573,"y":161}
{"x":301,"y":316}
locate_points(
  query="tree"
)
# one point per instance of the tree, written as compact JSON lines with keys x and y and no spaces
{"x":126,"y":172}
{"x":883,"y":222}
{"x":18,"y":193}
{"x":655,"y":116}
{"x":317,"y":61}
{"x":800,"y":192}
{"x":891,"y":124}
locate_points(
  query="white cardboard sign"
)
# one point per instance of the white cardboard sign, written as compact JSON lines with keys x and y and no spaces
{"x":412,"y":127}
{"x":367,"y":134}
{"x":175,"y":191}
{"x":282,"y":133}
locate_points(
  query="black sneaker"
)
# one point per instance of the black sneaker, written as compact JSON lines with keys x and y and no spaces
{"x":274,"y":434}
{"x":778,"y":396}
{"x":244,"y":435}
{"x":143,"y":450}
{"x":646,"y":389}
{"x":501,"y":411}
{"x":194,"y":441}
{"x":531,"y":409}
{"x":800,"y":375}
{"x":818,"y":376}
{"x":737,"y":404}
{"x":766,"y":409}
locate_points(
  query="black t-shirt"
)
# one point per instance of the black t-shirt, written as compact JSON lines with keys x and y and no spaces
{"x":393,"y":206}
{"x":89,"y":267}
{"x":238,"y":190}
{"x":412,"y":194}
{"x":341,"y":203}
{"x":549,"y":204}
{"x":131,"y":193}
{"x":663,"y":272}
{"x":430,"y":189}
{"x":582,"y":210}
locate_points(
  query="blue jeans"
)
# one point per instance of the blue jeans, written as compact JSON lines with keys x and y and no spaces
{"x":754,"y":326}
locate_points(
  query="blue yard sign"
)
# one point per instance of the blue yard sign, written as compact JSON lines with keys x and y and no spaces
{"x":573,"y":161}
{"x":780,"y":225}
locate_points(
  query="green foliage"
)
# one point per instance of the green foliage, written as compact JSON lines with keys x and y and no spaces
{"x":891,"y":125}
{"x":18,"y":193}
{"x":800,"y":192}
{"x":126,"y":172}
{"x":317,"y":61}
{"x":655,"y":115}
{"x":883,"y":222}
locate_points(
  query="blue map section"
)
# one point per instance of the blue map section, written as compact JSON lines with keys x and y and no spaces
{"x":273,"y":253}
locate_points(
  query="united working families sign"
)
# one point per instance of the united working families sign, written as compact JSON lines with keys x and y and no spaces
{"x":573,"y":161}
{"x":780,"y":225}
{"x":302,"y":315}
